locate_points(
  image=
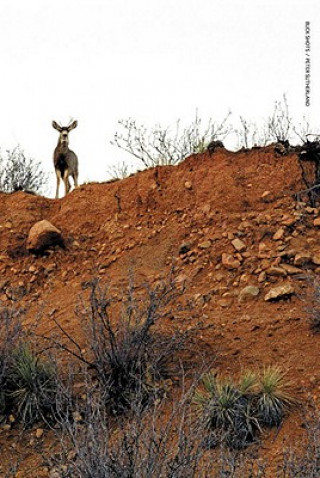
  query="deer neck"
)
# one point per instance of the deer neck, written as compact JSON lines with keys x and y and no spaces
{"x":63,"y":147}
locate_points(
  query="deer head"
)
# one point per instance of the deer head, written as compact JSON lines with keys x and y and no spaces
{"x":64,"y":131}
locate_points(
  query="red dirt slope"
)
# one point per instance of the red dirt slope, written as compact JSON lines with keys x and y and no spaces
{"x":140,"y":223}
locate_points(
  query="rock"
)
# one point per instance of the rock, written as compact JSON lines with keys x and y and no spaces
{"x":265,"y":194}
{"x":188,"y":185}
{"x":262,"y":277}
{"x":238,"y":245}
{"x":248,"y":292}
{"x":290,"y":221}
{"x":291,"y":269}
{"x":204,"y":245}
{"x":229,"y":261}
{"x":316,"y":222}
{"x":316,"y":259}
{"x":42,"y":235}
{"x":263,"y":247}
{"x":276,"y":271}
{"x":39,"y":432}
{"x":302,"y":258}
{"x":280,"y":292}
{"x":226,"y":302}
{"x":278,"y":235}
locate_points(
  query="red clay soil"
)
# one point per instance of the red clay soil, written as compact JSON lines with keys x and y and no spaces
{"x":138,"y":224}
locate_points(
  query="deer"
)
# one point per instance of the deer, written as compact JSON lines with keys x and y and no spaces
{"x":65,"y":161}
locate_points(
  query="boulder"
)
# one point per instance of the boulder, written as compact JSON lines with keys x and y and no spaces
{"x":42,"y":235}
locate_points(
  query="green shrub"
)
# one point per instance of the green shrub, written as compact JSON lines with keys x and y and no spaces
{"x":31,"y":386}
{"x":236,"y":412}
{"x":10,"y":333}
{"x":273,"y":397}
{"x":229,"y":410}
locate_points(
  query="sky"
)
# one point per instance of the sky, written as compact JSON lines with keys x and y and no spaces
{"x":156,"y":61}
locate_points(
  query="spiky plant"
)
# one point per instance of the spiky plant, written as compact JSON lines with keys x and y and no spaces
{"x":229,"y":411}
{"x":248,"y":383}
{"x":32,"y":385}
{"x":274,"y":397}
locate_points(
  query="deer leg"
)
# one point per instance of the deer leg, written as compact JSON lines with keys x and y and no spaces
{"x":66,"y":181}
{"x":75,"y":179}
{"x":58,"y":175}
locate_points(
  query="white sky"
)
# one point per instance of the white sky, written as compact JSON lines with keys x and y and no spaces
{"x":156,"y":61}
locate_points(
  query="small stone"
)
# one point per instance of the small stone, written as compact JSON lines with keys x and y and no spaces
{"x":248,"y":292}
{"x":39,"y":433}
{"x":262,"y":277}
{"x":316,"y":222}
{"x":316,"y":259}
{"x":263,"y":247}
{"x":278,"y":235}
{"x":229,"y":261}
{"x":225,"y":303}
{"x":204,"y":245}
{"x":188,"y":185}
{"x":290,"y":221}
{"x":280,"y":292}
{"x":238,"y":245}
{"x":276,"y":271}
{"x":265,"y":194}
{"x":302,"y":258}
{"x":291,"y":269}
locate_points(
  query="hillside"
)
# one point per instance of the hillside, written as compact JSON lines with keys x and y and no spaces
{"x":224,"y":222}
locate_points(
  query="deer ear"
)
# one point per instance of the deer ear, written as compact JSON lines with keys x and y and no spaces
{"x":73,"y":125}
{"x":56,"y":126}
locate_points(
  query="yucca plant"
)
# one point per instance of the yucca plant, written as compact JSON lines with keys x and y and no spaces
{"x":229,"y":411}
{"x":274,"y":397}
{"x":31,"y":387}
{"x":10,"y":333}
{"x":248,"y":383}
